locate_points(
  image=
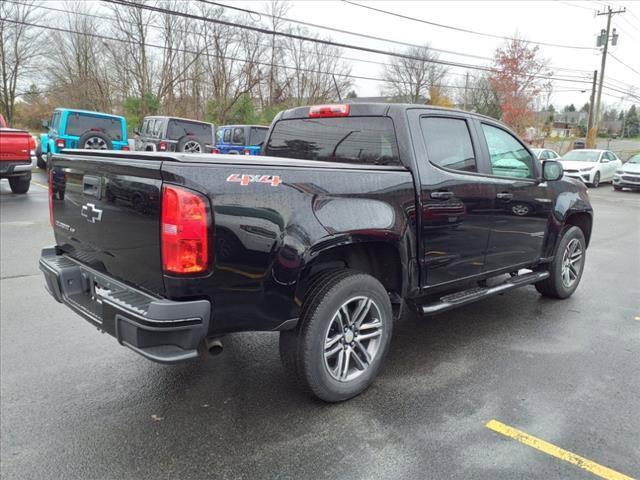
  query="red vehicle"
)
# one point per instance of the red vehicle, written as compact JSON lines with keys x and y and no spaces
{"x":17,"y":156}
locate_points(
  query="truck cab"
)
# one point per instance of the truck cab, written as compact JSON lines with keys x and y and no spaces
{"x":83,"y":129}
{"x":240,"y":139}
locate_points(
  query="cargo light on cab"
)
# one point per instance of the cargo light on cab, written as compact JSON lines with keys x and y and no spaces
{"x":335,"y":110}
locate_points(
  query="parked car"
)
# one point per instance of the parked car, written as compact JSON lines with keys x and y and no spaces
{"x":354,"y":213}
{"x":545,"y":154}
{"x":628,"y":175}
{"x":591,"y":166}
{"x":173,"y":134}
{"x":17,"y":157}
{"x":579,"y":144}
{"x":240,"y":139}
{"x":70,"y":128}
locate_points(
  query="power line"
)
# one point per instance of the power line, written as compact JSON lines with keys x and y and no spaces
{"x":621,"y":62}
{"x":465,"y":30}
{"x":323,"y":41}
{"x":163,"y":47}
{"x":337,"y":30}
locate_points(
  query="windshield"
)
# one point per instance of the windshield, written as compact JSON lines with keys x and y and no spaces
{"x":581,"y":156}
{"x":369,"y":140}
{"x":634,"y":159}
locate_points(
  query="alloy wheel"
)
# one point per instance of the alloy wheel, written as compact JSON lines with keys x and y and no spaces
{"x":192,"y":147}
{"x":572,"y":259}
{"x":95,"y":143}
{"x":353,"y":338}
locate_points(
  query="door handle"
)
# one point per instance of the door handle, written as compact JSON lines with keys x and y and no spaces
{"x":441,"y":194}
{"x":505,"y":196}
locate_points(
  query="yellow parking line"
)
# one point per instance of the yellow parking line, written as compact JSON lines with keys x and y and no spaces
{"x":40,"y":185}
{"x":554,"y":451}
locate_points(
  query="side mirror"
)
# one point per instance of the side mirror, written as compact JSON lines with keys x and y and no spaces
{"x":136,"y":130}
{"x":552,"y":170}
{"x":45,"y":124}
{"x":604,"y":160}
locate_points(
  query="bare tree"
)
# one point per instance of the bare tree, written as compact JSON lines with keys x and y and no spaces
{"x":318,"y":73}
{"x":482,"y":97}
{"x":412,"y":78}
{"x":78,"y":73}
{"x":19,"y":49}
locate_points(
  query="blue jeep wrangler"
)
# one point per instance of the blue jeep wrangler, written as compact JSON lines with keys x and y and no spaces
{"x":71,"y":128}
{"x":240,"y":139}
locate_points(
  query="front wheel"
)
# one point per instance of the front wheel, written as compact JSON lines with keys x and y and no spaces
{"x":617,"y":188}
{"x":342,"y":337}
{"x":596,"y":180}
{"x":566,"y":269}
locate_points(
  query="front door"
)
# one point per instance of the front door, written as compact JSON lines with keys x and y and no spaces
{"x":456,"y":198}
{"x":521,"y":202}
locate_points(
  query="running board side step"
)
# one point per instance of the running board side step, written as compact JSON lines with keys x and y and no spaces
{"x":478,"y":293}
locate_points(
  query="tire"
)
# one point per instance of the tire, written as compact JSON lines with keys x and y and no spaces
{"x":617,"y":188}
{"x":596,"y":180}
{"x":346,"y":371}
{"x":20,"y":184}
{"x":190,"y":144}
{"x":95,"y":141}
{"x":555,"y":286}
{"x":40,"y":161}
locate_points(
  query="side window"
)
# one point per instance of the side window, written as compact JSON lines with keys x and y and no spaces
{"x":156,"y":128}
{"x":145,"y":125}
{"x":448,"y":143}
{"x":257,"y":136}
{"x":509,"y":158}
{"x":610,"y":156}
{"x":55,"y":121}
{"x":238,"y":136}
{"x":227,"y":135}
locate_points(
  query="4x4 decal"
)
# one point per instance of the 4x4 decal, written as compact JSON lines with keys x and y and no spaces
{"x":244,"y":179}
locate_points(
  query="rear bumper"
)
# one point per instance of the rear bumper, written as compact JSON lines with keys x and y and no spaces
{"x":15,"y":168}
{"x":161,"y":330}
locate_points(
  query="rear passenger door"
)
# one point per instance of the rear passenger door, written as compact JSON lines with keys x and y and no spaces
{"x":455,"y":197}
{"x":521,"y":201}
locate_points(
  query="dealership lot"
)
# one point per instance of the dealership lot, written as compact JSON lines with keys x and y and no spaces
{"x":77,"y":405}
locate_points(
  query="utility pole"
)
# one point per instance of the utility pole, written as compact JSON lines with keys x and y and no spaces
{"x":466,"y":87}
{"x":591,"y":134}
{"x":603,"y":40}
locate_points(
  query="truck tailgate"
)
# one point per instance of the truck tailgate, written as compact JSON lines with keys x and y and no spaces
{"x":14,"y":145}
{"x":106,"y":214}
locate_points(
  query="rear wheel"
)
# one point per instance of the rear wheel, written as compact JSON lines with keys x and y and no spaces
{"x":20,"y":184}
{"x":41,"y":161}
{"x":566,"y":269}
{"x":342,"y":337}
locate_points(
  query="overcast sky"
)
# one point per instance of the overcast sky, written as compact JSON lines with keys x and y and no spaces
{"x":558,"y":22}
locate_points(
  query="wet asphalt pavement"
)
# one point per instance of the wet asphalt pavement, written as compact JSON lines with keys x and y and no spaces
{"x":76,"y":405}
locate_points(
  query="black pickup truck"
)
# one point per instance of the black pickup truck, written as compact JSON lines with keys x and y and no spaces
{"x":352,"y":213}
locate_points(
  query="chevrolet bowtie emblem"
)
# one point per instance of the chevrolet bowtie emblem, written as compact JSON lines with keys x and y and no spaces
{"x":91,"y":213}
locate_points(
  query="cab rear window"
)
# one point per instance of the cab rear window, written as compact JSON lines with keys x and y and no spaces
{"x":365,"y":140}
{"x":80,"y":123}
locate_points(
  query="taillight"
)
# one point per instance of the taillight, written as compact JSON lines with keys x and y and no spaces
{"x":51,"y":197}
{"x":60,"y":143}
{"x":185,"y":222}
{"x":162,"y":147}
{"x":337,"y":110}
{"x":215,"y":150}
{"x":125,"y":149}
{"x":247,"y":151}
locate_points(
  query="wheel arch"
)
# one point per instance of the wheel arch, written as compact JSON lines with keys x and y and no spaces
{"x":382,"y":260}
{"x":582,"y":220}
